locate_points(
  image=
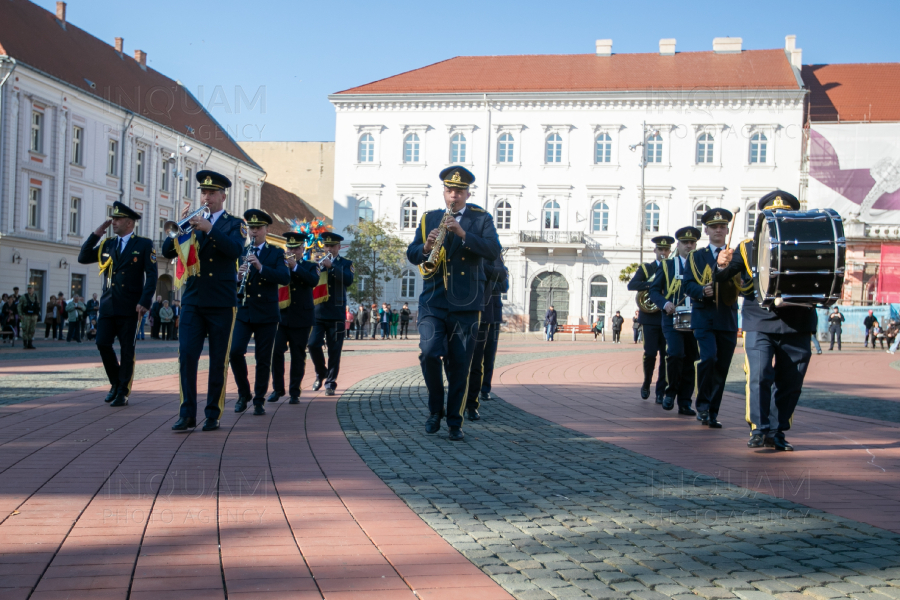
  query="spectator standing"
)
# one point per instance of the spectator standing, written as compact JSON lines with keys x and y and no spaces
{"x":140,"y":332}
{"x":350,"y":323}
{"x":404,"y":321}
{"x":617,"y":322}
{"x":154,"y":318}
{"x":93,"y":305}
{"x":395,"y":321}
{"x":166,"y":316}
{"x":834,"y":327}
{"x":384,"y":318}
{"x":869,"y":322}
{"x":550,"y":322}
{"x":50,"y":318}
{"x":75,"y":309}
{"x":373,"y":319}
{"x":362,"y":322}
{"x":636,"y":326}
{"x":61,"y":315}
{"x":30,"y":313}
{"x":7,"y":323}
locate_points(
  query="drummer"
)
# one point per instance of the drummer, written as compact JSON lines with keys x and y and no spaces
{"x":777,"y":346}
{"x":681,"y":347}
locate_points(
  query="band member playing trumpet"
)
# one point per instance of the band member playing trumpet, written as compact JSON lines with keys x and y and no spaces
{"x":209,"y":301}
{"x":262,"y":271}
{"x":667,"y":292}
{"x":331,"y":315}
{"x":714,"y":314}
{"x":452,"y":246}
{"x":297,"y":319}
{"x":129,"y":271}
{"x":650,"y":319}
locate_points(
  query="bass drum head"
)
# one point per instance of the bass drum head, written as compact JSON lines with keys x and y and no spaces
{"x":763,"y":256}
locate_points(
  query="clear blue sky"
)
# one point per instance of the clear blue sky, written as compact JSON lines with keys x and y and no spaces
{"x":299,"y":52}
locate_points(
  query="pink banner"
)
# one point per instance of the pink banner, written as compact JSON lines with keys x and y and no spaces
{"x":889,"y":274}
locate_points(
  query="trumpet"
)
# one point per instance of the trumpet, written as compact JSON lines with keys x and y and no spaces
{"x":328,"y":256}
{"x":176,"y":228}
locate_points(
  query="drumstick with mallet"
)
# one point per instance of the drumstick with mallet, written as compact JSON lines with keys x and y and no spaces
{"x":734,"y":212}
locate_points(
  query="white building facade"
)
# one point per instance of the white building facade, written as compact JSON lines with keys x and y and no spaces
{"x":556,"y":170}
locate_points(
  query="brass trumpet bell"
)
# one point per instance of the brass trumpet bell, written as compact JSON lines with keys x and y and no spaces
{"x":644,"y":304}
{"x":175,"y":228}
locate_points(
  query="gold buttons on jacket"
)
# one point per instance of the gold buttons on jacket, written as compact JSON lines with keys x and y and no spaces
{"x":210,"y":274}
{"x":461,"y":273}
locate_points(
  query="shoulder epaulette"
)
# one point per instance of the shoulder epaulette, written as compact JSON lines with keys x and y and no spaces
{"x":475,"y":207}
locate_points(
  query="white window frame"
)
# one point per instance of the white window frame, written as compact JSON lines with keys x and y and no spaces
{"x":553,"y":148}
{"x":655,"y":149}
{"x":408,"y":284}
{"x":503,"y":220}
{"x":605,"y":298}
{"x":33,"y":214}
{"x":700,"y":206}
{"x":600,"y":205}
{"x":563,"y":131}
{"x":468,"y":132}
{"x":78,"y":145}
{"x":606,"y":140}
{"x":375,"y":132}
{"x":165,"y":175}
{"x":75,"y":204}
{"x":759,"y":142}
{"x":751,"y":212}
{"x":614,"y":133}
{"x":770,"y":131}
{"x":411,"y":148}
{"x":364,"y":204}
{"x":555,"y":210}
{"x":517,"y":145}
{"x":139,"y":166}
{"x":652,"y":207}
{"x":36,"y":141}
{"x":705,"y":148}
{"x":409,"y":214}
{"x":112,"y":158}
{"x":419,"y":131}
{"x":188,"y":191}
{"x":459,"y":148}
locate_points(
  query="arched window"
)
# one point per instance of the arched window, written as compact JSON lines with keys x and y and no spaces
{"x":458,"y":148}
{"x":752,"y":213}
{"x":600,"y":217}
{"x":364,"y":211}
{"x":506,"y":146}
{"x":551,"y":214}
{"x":409,"y":218}
{"x":603,"y":149}
{"x":411,"y":148}
{"x":699,"y":211}
{"x":705,"y":149}
{"x":651,"y":217}
{"x":599,"y":295}
{"x":408,"y":284}
{"x":554,"y":148}
{"x":503,"y":220}
{"x":654,"y":148}
{"x":759,"y":144}
{"x":366,"y":148}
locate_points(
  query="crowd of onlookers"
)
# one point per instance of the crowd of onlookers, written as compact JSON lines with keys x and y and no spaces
{"x":72,"y":319}
{"x":162,"y":320}
{"x":390,"y":323}
{"x":878,"y":333}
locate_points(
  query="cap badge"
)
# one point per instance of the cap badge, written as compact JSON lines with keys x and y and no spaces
{"x":718,"y":215}
{"x":208,"y":180}
{"x":456,"y":178}
{"x":779,"y":203}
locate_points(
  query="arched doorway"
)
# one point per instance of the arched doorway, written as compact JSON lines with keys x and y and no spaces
{"x":549,"y":288}
{"x":164,"y":288}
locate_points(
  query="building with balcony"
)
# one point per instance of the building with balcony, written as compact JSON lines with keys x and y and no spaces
{"x":555,"y":145}
{"x":83,"y":124}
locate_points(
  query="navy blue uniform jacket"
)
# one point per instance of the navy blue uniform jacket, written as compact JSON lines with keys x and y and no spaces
{"x":340,"y":277}
{"x":660,"y":286}
{"x":704,"y":313}
{"x":132,"y":280}
{"x":220,"y":250}
{"x":465,"y":270}
{"x":642,"y":280}
{"x":497,"y":283}
{"x":301,"y":311}
{"x":261,"y":305}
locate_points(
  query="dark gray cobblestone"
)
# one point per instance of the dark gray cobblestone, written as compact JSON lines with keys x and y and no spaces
{"x":549,"y":513}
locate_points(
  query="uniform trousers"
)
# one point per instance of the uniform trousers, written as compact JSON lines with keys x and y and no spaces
{"x":197,"y":323}
{"x":331,"y":335}
{"x":490,"y":355}
{"x":29,"y":322}
{"x":264,"y":341}
{"x":681,"y":353}
{"x":454,"y":335}
{"x":654,"y":343}
{"x":108,"y":329}
{"x":479,"y":370}
{"x":296,"y":338}
{"x":776,"y":365}
{"x":716,"y":350}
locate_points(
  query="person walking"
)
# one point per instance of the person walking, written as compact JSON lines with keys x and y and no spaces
{"x":374,"y":320}
{"x":550,"y":322}
{"x":834,"y":327}
{"x":617,"y":322}
{"x":404,"y":321}
{"x":868,"y":322}
{"x":75,"y":309}
{"x":636,"y":326}
{"x":362,"y":322}
{"x":30,"y":312}
{"x":166,"y":316}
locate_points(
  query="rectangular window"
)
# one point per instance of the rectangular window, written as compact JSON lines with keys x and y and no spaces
{"x":139,"y":224}
{"x":109,"y":212}
{"x":139,"y":167}
{"x":77,"y":146}
{"x":77,"y":288}
{"x":188,"y":177}
{"x":34,"y":207}
{"x":37,"y":131}
{"x":246,"y":199}
{"x":166,"y":172}
{"x":162,"y":229}
{"x":112,"y":160}
{"x":74,"y":216}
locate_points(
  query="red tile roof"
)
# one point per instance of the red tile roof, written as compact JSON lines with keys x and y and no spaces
{"x":283,"y":206}
{"x":685,"y":71}
{"x":35,"y":38}
{"x":853,"y":92}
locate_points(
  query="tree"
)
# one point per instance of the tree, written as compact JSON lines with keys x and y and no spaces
{"x":378,"y":256}
{"x":626,"y":273}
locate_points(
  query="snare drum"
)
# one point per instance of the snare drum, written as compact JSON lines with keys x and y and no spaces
{"x":799,"y":257}
{"x":682,"y":319}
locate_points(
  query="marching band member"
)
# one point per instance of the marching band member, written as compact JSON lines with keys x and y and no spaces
{"x":297,"y":319}
{"x":129,"y":270}
{"x":713,"y":314}
{"x":209,"y":301}
{"x":654,"y":341}
{"x":330,"y":315}
{"x":452,"y":295}
{"x":258,"y":315}
{"x":667,"y":292}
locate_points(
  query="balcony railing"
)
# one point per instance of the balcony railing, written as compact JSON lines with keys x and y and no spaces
{"x":551,"y":236}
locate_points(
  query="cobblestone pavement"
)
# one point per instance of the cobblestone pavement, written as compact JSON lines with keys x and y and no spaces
{"x":550,"y":513}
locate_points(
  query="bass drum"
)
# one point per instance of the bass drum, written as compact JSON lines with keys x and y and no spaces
{"x":799,"y":257}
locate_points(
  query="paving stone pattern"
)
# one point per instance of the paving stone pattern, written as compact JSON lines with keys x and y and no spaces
{"x":550,"y":513}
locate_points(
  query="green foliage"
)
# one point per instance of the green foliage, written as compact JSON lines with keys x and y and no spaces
{"x":628,"y":272}
{"x":378,"y":256}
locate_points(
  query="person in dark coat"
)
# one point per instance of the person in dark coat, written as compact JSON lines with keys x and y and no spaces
{"x":404,"y":321}
{"x":482,"y":369}
{"x":869,"y":323}
{"x":835,"y":321}
{"x":617,"y":322}
{"x":550,"y":323}
{"x":154,"y":314}
{"x":362,"y":322}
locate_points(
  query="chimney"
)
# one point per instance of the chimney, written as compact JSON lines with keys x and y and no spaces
{"x":727,"y":45}
{"x":61,"y":13}
{"x":141,"y":57}
{"x":120,"y":44}
{"x":667,"y":47}
{"x":795,"y":54}
{"x":604,"y":47}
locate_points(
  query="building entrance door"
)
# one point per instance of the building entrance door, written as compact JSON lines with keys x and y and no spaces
{"x":548,"y":289}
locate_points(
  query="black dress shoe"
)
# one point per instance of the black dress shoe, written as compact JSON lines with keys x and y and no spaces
{"x":703,"y":417}
{"x":668,"y":404}
{"x":714,"y":423}
{"x":472,"y":415}
{"x":317,"y":384}
{"x":686,"y":410}
{"x":755,"y":441}
{"x":456,"y":434}
{"x":241,"y":404}
{"x":211,"y":425}
{"x":482,"y":397}
{"x":112,"y":394}
{"x":645,"y":393}
{"x":779,"y":443}
{"x":259,"y":410}
{"x":184,"y":423}
{"x":274,"y":396}
{"x":121,"y":400}
{"x":433,"y":424}
{"x":329,"y":391}
{"x":294,"y":400}
{"x":659,"y":398}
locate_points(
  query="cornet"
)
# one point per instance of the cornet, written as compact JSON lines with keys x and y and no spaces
{"x":177,"y":228}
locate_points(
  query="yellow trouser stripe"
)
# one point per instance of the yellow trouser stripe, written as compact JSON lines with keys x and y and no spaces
{"x":227,"y":358}
{"x":462,"y":405}
{"x":747,"y":389}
